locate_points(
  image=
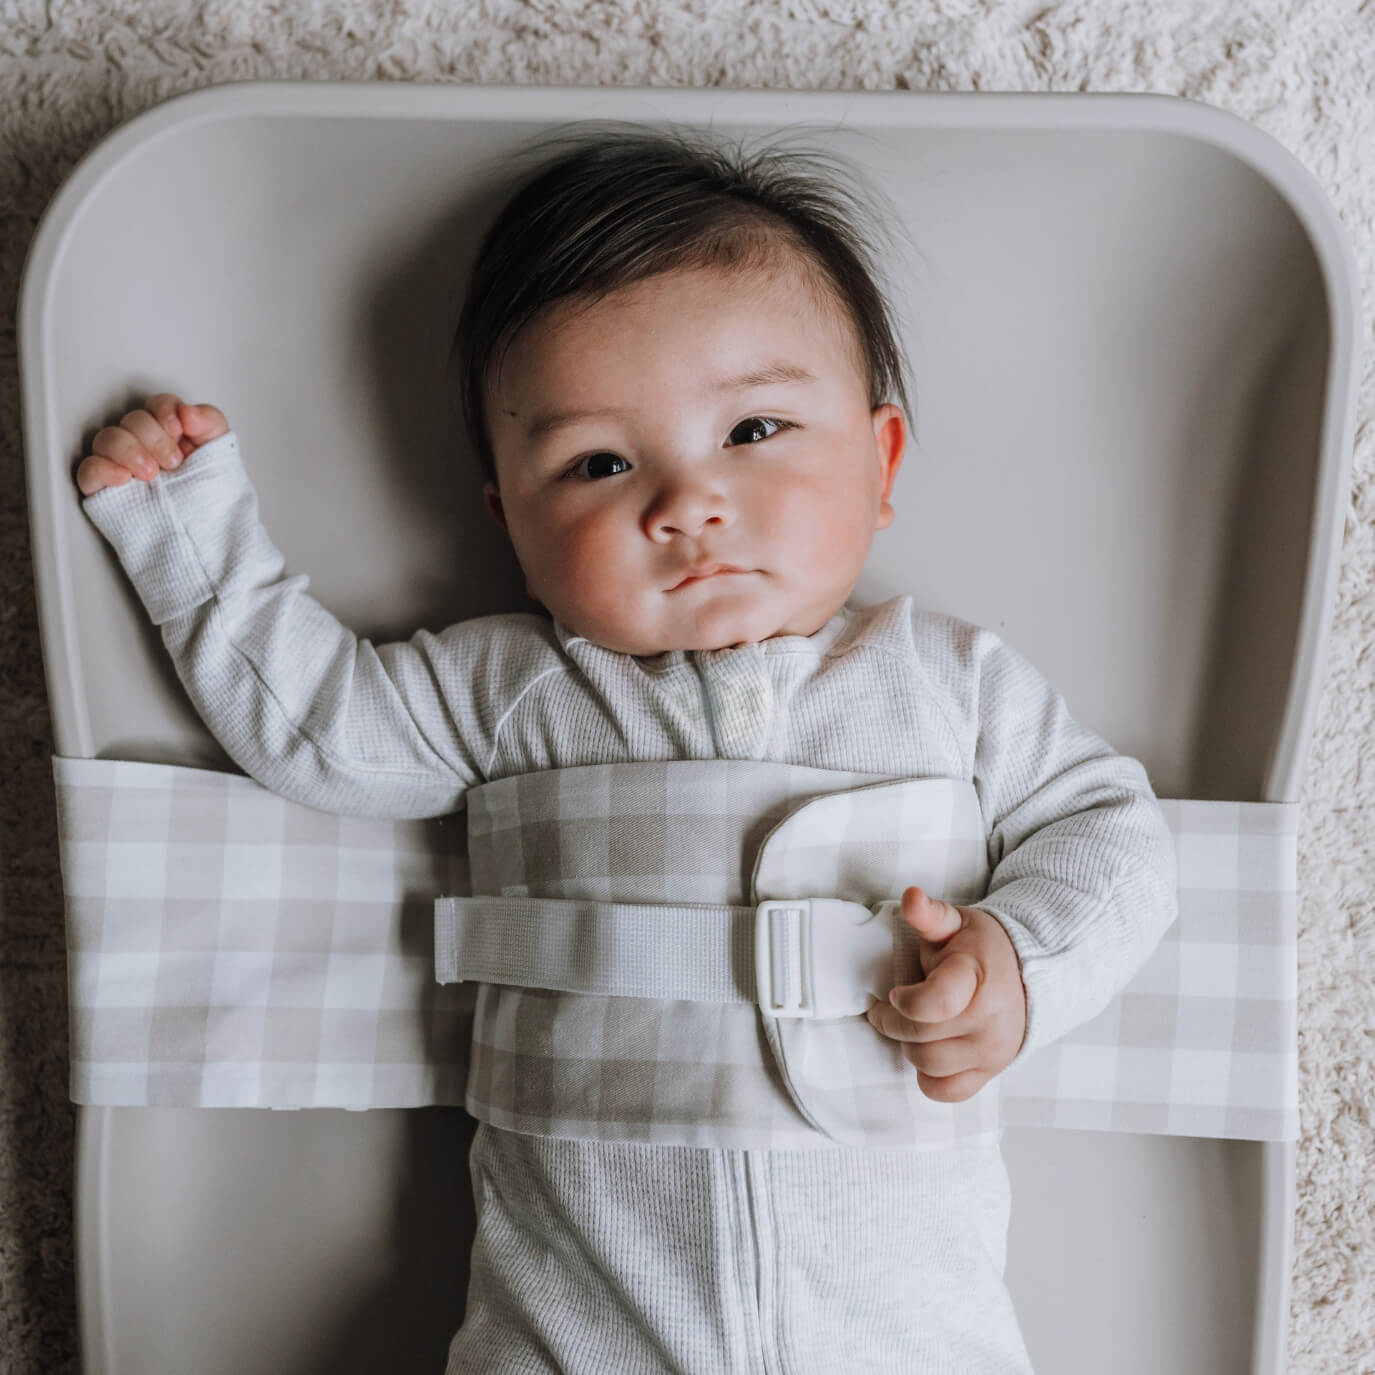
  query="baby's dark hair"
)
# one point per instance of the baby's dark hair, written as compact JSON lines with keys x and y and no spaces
{"x":627,"y":202}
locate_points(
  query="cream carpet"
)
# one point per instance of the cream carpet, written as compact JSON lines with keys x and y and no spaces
{"x":72,"y":70}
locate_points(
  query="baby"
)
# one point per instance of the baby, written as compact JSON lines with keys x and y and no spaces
{"x":647,"y":307}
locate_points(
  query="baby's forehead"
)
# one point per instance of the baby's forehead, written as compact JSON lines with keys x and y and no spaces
{"x":566,"y":329}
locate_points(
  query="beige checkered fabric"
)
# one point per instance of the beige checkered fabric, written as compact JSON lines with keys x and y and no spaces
{"x":228,"y":947}
{"x":722,"y":832}
{"x":1204,"y":1040}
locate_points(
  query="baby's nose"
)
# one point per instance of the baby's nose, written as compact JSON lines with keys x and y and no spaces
{"x":687,"y":509}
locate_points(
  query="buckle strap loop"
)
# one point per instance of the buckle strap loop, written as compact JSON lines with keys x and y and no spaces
{"x":797,"y":958}
{"x":822,"y":957}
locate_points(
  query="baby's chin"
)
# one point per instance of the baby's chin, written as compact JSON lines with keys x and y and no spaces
{"x":652,"y":647}
{"x":734,"y":630}
{"x":670,"y":633}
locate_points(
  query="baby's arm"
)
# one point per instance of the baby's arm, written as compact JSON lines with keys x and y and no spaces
{"x":296,"y":699}
{"x":1082,"y":884}
{"x":1083,"y":863}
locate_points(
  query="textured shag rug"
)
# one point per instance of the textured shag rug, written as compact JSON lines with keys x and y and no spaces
{"x":72,"y":70}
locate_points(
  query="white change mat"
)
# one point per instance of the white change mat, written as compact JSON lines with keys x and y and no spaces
{"x":1139,"y":299}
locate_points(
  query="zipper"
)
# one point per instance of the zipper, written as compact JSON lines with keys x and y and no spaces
{"x":761,"y":1246}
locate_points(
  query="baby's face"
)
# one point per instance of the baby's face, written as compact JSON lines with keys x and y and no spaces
{"x":691,"y":463}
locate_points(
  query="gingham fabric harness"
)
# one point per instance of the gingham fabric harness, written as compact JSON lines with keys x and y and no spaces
{"x":635,"y":888}
{"x":228,"y":947}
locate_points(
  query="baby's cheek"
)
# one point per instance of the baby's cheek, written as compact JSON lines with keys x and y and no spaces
{"x":829,"y":525}
{"x":587,"y":564}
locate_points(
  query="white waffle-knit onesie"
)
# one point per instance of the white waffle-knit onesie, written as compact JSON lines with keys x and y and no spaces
{"x":596,"y":1256}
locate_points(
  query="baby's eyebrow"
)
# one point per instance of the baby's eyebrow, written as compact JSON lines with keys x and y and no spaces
{"x":770,"y":374}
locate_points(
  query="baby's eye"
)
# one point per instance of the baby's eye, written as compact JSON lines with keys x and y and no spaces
{"x":593,"y":458}
{"x":756,"y":421}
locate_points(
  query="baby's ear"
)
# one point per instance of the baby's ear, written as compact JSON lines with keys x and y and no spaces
{"x":494,"y":506}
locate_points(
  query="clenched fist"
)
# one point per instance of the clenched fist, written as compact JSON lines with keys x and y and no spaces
{"x":147,"y":441}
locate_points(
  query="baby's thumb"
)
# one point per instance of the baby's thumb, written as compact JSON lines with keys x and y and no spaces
{"x":932,"y":919}
{"x":201,"y":424}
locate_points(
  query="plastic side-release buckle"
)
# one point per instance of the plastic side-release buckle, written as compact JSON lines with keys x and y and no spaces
{"x":821,"y":957}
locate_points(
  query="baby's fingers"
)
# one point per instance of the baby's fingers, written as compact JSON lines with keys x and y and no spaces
{"x":947,"y":1066}
{"x":120,"y":447}
{"x":154,"y":431}
{"x":952,"y":1088}
{"x":888,"y":1020}
{"x":201,"y":424}
{"x":943,"y":994}
{"x":125,"y":446}
{"x":189,"y":425}
{"x":94,"y":473}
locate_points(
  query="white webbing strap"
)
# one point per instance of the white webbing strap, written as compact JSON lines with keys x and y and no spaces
{"x":695,"y":951}
{"x":818,"y":957}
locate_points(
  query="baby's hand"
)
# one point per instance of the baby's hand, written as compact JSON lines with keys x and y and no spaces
{"x":965,"y":1020}
{"x":147,"y":441}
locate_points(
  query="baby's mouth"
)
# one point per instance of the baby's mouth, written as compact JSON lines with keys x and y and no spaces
{"x":707,"y":571}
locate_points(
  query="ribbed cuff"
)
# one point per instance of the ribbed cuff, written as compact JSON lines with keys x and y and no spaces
{"x":148,"y":524}
{"x":1067,"y":987}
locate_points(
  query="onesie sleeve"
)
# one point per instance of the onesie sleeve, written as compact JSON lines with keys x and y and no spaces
{"x":298,"y":701}
{"x":1082,"y":861}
